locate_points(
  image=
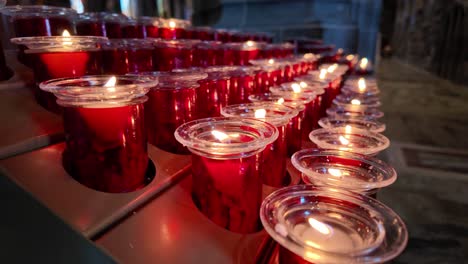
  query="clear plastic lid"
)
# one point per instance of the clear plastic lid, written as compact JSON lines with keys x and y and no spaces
{"x":360,"y":123}
{"x":278,"y":99}
{"x":349,"y":139}
{"x":247,"y":45}
{"x":341,"y":169}
{"x":226,"y":137}
{"x":328,"y":225}
{"x":371,"y":101}
{"x":356,"y":111}
{"x":176,"y":79}
{"x":316,"y":88}
{"x":37,"y":11}
{"x":100,"y":90}
{"x":59,"y":43}
{"x":273,"y":113}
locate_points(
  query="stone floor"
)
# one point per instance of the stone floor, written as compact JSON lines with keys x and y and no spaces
{"x":427,"y":123}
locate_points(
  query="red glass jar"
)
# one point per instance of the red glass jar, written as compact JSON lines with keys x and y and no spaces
{"x":173,"y":54}
{"x":133,"y":29}
{"x":89,"y":24}
{"x":295,"y":125}
{"x":241,"y":53}
{"x":222,"y":35}
{"x":171,"y":103}
{"x":59,"y":57}
{"x":173,"y":28}
{"x":242,"y":84}
{"x":208,"y":53}
{"x":152,"y":25}
{"x":121,"y":56}
{"x":203,"y":33}
{"x":275,"y":154}
{"x":113,"y":24}
{"x":271,"y":74}
{"x":106,"y":147}
{"x":227,"y":167}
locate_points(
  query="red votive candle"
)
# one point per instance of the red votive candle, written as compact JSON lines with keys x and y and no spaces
{"x":345,"y":170}
{"x":364,"y":67}
{"x":271,"y":74}
{"x":171,"y":103}
{"x":222,"y":35}
{"x":203,"y":33}
{"x":134,"y":29}
{"x":328,"y":225}
{"x":113,"y":24}
{"x":173,"y":28}
{"x":106,"y":147}
{"x":241,"y":53}
{"x":152,"y":25}
{"x":227,"y":167}
{"x":295,"y":126}
{"x":208,"y":53}
{"x":275,"y":154}
{"x":89,"y":24}
{"x":59,"y":57}
{"x":173,"y":54}
{"x":213,"y":92}
{"x":121,"y":56}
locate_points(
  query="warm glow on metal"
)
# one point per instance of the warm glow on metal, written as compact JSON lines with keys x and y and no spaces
{"x":221,"y":136}
{"x":364,"y":62}
{"x":319,"y":226}
{"x":260,"y":113}
{"x":362,"y":84}
{"x":110,"y":84}
{"x":335,"y":172}
{"x":172,"y":24}
{"x":323,"y":74}
{"x":343,"y":140}
{"x":296,"y":88}
{"x":356,"y":102}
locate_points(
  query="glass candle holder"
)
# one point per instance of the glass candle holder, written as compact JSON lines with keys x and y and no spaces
{"x":364,"y":67}
{"x":171,"y":103}
{"x":361,"y":123}
{"x":241,"y":53}
{"x":208,"y":53}
{"x":326,"y":225}
{"x":173,"y":28}
{"x":113,"y":23}
{"x":331,"y":83}
{"x":309,"y":62}
{"x":350,"y":139}
{"x":362,"y":90}
{"x":89,"y":24}
{"x":151,"y":24}
{"x":132,"y":28}
{"x":222,"y":35}
{"x":271,"y":74}
{"x":275,"y":154}
{"x":294,"y":127}
{"x":346,"y":100}
{"x":227,"y":167}
{"x":106,"y":147}
{"x":343,"y":170}
{"x":213,"y":92}
{"x":122,"y":56}
{"x":173,"y":54}
{"x":61,"y":56}
{"x":203,"y":33}
{"x":355,"y":111}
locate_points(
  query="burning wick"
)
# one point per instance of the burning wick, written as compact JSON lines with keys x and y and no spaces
{"x":335,"y":172}
{"x":343,"y":140}
{"x":172,"y":24}
{"x":362,"y":84}
{"x":349,"y":57}
{"x":296,"y":88}
{"x":364,"y":62}
{"x":319,"y":226}
{"x":348,"y":130}
{"x":110,"y":84}
{"x":332,"y":68}
{"x":249,"y":43}
{"x":323,"y":74}
{"x":66,"y":41}
{"x":271,"y":61}
{"x":303,"y":84}
{"x":280,"y":101}
{"x":355,"y":102}
{"x":221,"y":136}
{"x":260,"y":113}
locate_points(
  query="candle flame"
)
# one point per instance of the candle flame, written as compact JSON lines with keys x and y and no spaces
{"x":356,"y":102}
{"x":110,"y":84}
{"x":332,"y":68}
{"x":335,"y":172}
{"x":348,"y":129}
{"x":260,"y":113}
{"x":319,"y":226}
{"x":172,"y":24}
{"x":350,"y":57}
{"x":296,"y":88}
{"x":364,"y":62}
{"x":249,"y":43}
{"x":303,"y":84}
{"x":362,"y":84}
{"x":66,"y":41}
{"x":343,"y":140}
{"x":323,"y":74}
{"x":221,"y":136}
{"x":280,"y":101}
{"x":271,"y":61}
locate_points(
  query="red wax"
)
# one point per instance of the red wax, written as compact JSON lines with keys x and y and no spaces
{"x":106,"y":147}
{"x":240,"y":88}
{"x":223,"y":36}
{"x":171,"y":33}
{"x":229,"y":191}
{"x":212,"y":95}
{"x":207,"y":54}
{"x":275,"y":154}
{"x":171,"y":57}
{"x":204,"y":34}
{"x":113,"y":29}
{"x":152,"y":31}
{"x":134,"y":30}
{"x":42,"y":26}
{"x":167,"y":109}
{"x":52,"y":65}
{"x":240,"y":57}
{"x":91,"y":28}
{"x":127,"y":58}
